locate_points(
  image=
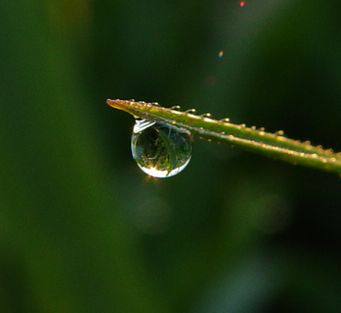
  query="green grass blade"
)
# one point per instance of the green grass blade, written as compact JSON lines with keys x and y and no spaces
{"x":274,"y":145}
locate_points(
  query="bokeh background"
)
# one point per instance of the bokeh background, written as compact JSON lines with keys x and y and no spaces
{"x":82,"y":229}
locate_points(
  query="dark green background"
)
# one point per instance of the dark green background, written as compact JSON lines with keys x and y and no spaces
{"x":83,"y":230}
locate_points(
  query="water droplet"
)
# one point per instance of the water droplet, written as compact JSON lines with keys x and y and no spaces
{"x":160,"y":150}
{"x":225,"y":120}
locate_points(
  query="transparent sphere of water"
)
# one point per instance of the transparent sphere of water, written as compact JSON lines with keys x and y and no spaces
{"x":159,"y":149}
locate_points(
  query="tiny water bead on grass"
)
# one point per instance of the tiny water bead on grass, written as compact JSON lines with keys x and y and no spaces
{"x":160,"y":150}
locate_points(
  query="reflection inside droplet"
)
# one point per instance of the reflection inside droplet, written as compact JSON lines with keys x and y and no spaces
{"x":159,"y":149}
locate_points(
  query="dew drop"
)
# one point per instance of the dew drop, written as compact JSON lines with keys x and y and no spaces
{"x":160,"y":150}
{"x":225,"y":120}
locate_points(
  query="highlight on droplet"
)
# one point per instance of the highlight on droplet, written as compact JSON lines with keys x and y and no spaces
{"x":220,"y":54}
{"x":159,"y":149}
{"x":242,"y":4}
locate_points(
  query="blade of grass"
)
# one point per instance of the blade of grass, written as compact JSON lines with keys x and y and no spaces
{"x":273,"y":145}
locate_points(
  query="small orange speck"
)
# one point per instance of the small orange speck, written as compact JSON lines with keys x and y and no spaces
{"x":220,"y":54}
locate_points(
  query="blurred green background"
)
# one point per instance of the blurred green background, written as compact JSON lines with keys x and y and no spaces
{"x":81,"y":227}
